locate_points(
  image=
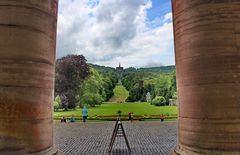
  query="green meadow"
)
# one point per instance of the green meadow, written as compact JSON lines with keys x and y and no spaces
{"x":109,"y":111}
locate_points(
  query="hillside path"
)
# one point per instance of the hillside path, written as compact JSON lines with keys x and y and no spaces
{"x":120,"y":94}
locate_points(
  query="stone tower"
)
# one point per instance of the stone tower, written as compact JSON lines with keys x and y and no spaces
{"x":119,"y":72}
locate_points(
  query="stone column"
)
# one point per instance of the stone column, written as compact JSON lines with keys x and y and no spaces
{"x":207,"y":44}
{"x":27,"y":59}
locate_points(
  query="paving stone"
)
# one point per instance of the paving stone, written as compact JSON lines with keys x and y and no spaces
{"x":93,"y":138}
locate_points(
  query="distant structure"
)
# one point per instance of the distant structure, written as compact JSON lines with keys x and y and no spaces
{"x":149,"y":97}
{"x":119,"y":72}
{"x":173,"y":102}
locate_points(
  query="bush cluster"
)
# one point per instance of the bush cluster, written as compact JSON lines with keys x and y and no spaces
{"x":159,"y":101}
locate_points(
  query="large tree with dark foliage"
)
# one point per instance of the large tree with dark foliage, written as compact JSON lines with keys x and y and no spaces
{"x":71,"y":70}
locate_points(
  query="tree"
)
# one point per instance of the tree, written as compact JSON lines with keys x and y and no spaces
{"x":71,"y":96}
{"x":64,"y":102}
{"x":173,"y":87}
{"x":98,"y":85}
{"x":70,"y":73}
{"x":92,"y":99}
{"x":57,"y":103}
{"x":159,"y":101}
{"x":92,"y":90}
{"x":130,"y":80}
{"x":162,"y":86}
{"x":136,"y":94}
{"x":108,"y":87}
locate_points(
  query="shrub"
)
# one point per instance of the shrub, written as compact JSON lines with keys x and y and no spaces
{"x":57,"y":103}
{"x":159,"y":101}
{"x":64,"y":102}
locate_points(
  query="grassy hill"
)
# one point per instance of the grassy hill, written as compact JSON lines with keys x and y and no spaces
{"x":120,"y":94}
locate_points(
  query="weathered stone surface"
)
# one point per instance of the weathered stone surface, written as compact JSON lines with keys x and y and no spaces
{"x":145,"y":138}
{"x":27,"y":58}
{"x":208,"y":75}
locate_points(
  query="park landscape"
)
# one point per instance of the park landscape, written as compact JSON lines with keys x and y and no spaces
{"x":147,"y":92}
{"x":57,"y":59}
{"x":104,"y":92}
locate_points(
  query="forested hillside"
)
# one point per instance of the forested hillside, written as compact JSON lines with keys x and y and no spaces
{"x":102,"y":69}
{"x":79,"y":83}
{"x":159,"y":82}
{"x":161,"y":69}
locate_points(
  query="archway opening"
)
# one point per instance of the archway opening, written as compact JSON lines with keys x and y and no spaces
{"x":139,"y":36}
{"x":207,"y":58}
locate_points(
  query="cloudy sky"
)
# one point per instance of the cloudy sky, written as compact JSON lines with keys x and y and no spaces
{"x":136,"y":33}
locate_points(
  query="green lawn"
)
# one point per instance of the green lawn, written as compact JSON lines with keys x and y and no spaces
{"x":108,"y":111}
{"x":111,"y":109}
{"x":120,"y":94}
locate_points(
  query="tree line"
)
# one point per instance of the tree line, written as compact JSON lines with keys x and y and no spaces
{"x":161,"y":86}
{"x":78,"y":83}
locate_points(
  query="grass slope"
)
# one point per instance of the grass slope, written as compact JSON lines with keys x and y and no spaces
{"x":120,"y":94}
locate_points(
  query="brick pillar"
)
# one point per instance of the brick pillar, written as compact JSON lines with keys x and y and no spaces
{"x":207,"y":44}
{"x":27,"y":58}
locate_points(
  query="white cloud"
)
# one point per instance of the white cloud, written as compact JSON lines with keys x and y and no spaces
{"x":167,"y":17}
{"x":107,"y":32}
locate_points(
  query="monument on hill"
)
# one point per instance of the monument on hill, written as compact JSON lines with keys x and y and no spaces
{"x":119,"y":72}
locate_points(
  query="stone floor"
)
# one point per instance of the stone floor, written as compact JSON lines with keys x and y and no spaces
{"x":145,"y":138}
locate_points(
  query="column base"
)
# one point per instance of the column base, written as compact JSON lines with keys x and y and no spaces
{"x":179,"y":151}
{"x":191,"y":151}
{"x":50,"y":151}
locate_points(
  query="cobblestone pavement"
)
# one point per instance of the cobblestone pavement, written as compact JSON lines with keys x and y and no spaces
{"x":93,"y":138}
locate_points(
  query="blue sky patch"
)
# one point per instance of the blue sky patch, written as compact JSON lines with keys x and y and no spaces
{"x":159,"y":9}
